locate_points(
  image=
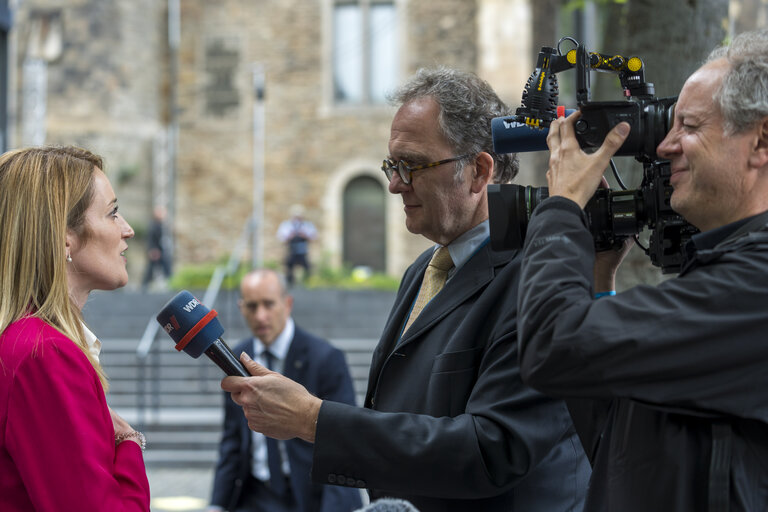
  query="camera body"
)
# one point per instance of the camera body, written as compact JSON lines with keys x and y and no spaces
{"x":612,"y":215}
{"x":649,"y":119}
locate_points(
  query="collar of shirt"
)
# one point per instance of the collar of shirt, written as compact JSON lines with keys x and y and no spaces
{"x":94,"y":345}
{"x":709,"y":239}
{"x":462,"y":249}
{"x":280,"y":346}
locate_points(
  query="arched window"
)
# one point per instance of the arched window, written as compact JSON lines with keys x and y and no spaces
{"x":365,"y":241}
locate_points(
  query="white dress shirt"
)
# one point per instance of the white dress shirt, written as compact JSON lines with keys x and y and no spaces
{"x":94,"y":345}
{"x":279,"y":349}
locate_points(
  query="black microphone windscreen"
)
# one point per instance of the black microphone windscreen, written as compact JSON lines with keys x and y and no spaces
{"x":512,"y":136}
{"x":190,"y":324}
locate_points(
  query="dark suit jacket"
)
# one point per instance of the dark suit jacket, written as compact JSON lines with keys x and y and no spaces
{"x":322,"y":369}
{"x":448,"y":423}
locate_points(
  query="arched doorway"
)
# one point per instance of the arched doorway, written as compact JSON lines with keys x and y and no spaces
{"x":364,"y":221}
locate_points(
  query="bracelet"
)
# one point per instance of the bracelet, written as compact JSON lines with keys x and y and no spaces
{"x":142,"y":440}
{"x":605,"y":294}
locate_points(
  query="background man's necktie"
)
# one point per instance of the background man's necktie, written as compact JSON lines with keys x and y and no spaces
{"x":274,"y":458}
{"x":434,"y":280}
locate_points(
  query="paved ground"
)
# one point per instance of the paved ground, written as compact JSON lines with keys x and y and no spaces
{"x":180,"y":489}
{"x":185,"y":490}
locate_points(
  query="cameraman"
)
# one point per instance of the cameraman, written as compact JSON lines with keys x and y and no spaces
{"x":668,"y":384}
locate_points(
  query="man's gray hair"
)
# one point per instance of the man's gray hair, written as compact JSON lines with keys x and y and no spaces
{"x":467,"y":106}
{"x":743,"y":95}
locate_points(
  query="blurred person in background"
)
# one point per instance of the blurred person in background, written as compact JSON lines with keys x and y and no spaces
{"x":257,"y":474}
{"x":158,"y":257}
{"x":296,"y":233}
{"x":61,"y":236}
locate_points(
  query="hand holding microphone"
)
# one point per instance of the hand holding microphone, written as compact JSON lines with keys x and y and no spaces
{"x":196,"y":331}
{"x":273,"y":404}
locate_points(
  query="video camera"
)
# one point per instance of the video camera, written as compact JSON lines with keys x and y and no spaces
{"x":612,"y":215}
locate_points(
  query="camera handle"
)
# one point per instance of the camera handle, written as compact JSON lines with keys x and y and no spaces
{"x":540,"y":94}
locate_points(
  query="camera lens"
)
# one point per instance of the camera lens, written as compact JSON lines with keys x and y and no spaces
{"x":532,"y":197}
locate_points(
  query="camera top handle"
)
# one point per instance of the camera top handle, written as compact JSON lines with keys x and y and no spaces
{"x":540,"y":95}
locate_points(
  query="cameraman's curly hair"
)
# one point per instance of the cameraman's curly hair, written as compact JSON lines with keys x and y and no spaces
{"x":743,"y":94}
{"x":467,"y":106}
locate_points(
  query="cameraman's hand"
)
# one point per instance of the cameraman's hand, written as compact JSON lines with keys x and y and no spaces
{"x":572,"y":172}
{"x":607,"y":263}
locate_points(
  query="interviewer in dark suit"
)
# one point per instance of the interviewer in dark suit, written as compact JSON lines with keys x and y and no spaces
{"x":242,"y":481}
{"x":448,"y":424}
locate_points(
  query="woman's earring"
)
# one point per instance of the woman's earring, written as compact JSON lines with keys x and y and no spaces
{"x":69,"y":258}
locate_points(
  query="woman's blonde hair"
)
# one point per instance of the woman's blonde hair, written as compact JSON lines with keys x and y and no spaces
{"x":43,"y":193}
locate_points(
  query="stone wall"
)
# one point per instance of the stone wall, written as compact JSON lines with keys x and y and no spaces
{"x":105,"y":63}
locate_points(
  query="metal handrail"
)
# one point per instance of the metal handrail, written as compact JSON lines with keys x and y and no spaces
{"x":209,"y":299}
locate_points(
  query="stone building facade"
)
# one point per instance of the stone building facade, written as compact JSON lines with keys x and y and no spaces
{"x":213,"y":106}
{"x":93,"y":74}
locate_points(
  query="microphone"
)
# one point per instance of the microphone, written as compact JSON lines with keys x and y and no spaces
{"x":512,"y":136}
{"x":196,"y":331}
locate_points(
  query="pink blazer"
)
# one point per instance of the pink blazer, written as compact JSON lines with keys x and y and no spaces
{"x":57,"y":447}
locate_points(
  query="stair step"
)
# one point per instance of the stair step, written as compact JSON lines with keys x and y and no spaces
{"x":174,"y":417}
{"x":180,"y":458}
{"x":169,"y":385}
{"x":183,"y":426}
{"x":184,"y":440}
{"x":209,"y":371}
{"x":170,"y":400}
{"x":184,"y":434}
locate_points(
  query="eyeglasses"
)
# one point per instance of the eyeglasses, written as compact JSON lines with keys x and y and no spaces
{"x":404,"y":169}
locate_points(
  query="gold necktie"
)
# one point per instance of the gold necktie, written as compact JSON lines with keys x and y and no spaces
{"x":434,"y":280}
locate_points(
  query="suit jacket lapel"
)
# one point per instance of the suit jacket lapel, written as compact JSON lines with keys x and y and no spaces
{"x":246,"y":431}
{"x":476,"y":273}
{"x":409,"y":288}
{"x":404,"y":304}
{"x":295,"y":359}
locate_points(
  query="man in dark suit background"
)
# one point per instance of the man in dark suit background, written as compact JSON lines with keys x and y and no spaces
{"x":257,"y":474}
{"x":448,"y":424}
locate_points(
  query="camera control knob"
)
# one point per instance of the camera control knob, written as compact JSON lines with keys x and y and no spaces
{"x":581,"y":126}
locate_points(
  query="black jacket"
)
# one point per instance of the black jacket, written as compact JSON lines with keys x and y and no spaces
{"x":448,"y":424}
{"x":668,"y":384}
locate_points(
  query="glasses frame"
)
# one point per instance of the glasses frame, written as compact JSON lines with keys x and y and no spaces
{"x":389,"y":167}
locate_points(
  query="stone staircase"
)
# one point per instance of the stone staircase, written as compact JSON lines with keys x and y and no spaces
{"x":175,"y":399}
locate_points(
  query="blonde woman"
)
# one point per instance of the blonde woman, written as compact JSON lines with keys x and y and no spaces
{"x":61,"y":236}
